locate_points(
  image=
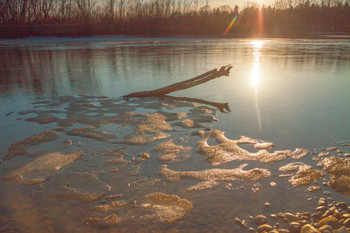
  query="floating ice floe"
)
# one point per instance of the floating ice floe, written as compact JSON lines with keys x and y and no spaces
{"x":305,"y":174}
{"x":41,"y":168}
{"x":228,"y":150}
{"x":218,"y":174}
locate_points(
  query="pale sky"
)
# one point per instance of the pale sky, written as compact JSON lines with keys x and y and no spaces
{"x":240,"y":3}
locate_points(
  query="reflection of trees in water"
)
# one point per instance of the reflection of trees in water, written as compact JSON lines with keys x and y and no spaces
{"x":77,"y":71}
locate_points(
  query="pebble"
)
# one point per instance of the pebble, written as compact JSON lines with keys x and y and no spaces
{"x":267,"y":204}
{"x":342,"y":230}
{"x":283,"y":231}
{"x":251,"y":230}
{"x":291,"y":217}
{"x":145,"y":156}
{"x":342,"y":205}
{"x":322,"y":209}
{"x":260,"y":219}
{"x":294,"y":227}
{"x":69,"y":142}
{"x":337,"y":214}
{"x":325,"y":228}
{"x":308,"y":229}
{"x":264,"y":227}
{"x":346,"y":222}
{"x":277,"y":226}
{"x":316,"y":215}
{"x":314,"y":189}
{"x":322,"y":202}
{"x":330,"y":220}
{"x":240,"y":222}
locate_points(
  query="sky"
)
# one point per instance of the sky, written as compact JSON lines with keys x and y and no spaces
{"x":240,"y":3}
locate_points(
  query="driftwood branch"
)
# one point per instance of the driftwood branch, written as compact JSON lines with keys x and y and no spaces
{"x":203,"y":78}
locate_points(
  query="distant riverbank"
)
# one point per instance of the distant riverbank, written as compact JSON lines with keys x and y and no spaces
{"x":76,"y":30}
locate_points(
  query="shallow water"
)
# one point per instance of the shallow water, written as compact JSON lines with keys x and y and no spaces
{"x":293,"y":93}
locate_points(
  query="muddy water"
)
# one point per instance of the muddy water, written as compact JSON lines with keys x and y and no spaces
{"x":74,"y":153}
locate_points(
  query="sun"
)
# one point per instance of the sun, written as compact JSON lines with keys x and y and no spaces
{"x":257,"y":44}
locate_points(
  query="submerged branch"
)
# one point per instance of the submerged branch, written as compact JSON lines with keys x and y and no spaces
{"x":221,"y":106}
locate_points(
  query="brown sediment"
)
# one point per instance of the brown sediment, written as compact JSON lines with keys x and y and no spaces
{"x":166,"y":208}
{"x":339,"y":169}
{"x":80,"y":186}
{"x":144,"y":184}
{"x":20,"y":148}
{"x":82,"y":195}
{"x":90,"y":132}
{"x":170,"y":152}
{"x":41,"y":168}
{"x":43,"y":118}
{"x":305,"y":175}
{"x":117,"y":164}
{"x":203,"y":185}
{"x":218,"y":174}
{"x":228,"y":150}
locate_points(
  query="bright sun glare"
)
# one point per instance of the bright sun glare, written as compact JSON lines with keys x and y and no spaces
{"x":255,"y":74}
{"x":257,"y":44}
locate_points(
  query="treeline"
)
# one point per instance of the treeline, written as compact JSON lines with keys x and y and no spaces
{"x":19,"y":18}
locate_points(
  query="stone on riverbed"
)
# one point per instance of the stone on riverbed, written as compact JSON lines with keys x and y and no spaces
{"x":260,"y":219}
{"x":331,"y":221}
{"x":309,"y":229}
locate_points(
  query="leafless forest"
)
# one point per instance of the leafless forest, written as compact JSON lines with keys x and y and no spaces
{"x":21,"y":18}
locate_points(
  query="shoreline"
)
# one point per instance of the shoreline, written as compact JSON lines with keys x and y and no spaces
{"x":75,"y":31}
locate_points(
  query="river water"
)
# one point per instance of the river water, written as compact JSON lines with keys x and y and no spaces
{"x":291,"y":92}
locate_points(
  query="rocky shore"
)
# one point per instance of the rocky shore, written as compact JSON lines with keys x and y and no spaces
{"x":327,"y":218}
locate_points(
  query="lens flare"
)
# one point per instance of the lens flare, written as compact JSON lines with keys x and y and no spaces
{"x":231,"y":24}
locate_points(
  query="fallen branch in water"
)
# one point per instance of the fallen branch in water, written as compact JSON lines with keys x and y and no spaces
{"x":221,"y":106}
{"x":203,"y":78}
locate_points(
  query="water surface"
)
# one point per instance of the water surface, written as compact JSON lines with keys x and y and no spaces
{"x":294,"y":93}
